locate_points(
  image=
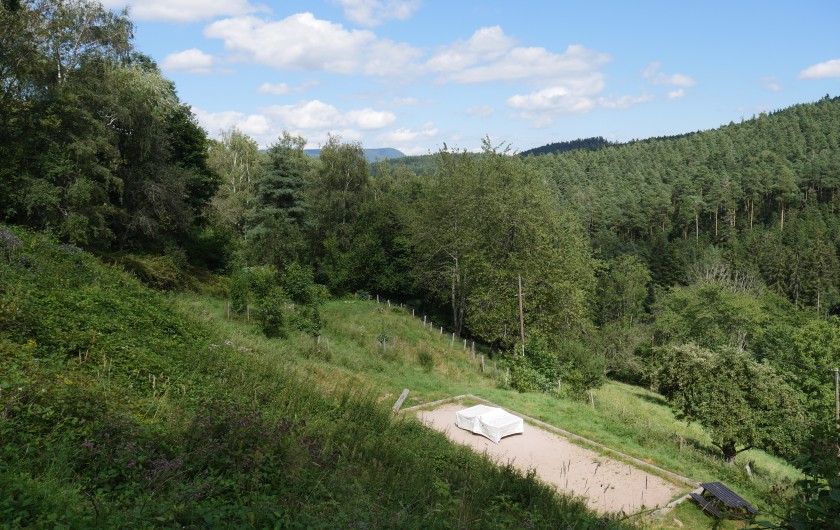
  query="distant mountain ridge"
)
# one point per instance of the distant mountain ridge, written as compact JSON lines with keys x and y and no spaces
{"x":372,"y":155}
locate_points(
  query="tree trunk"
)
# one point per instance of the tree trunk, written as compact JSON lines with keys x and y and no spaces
{"x":697,"y":226}
{"x":730,"y":451}
{"x":716,"y":222}
{"x":752,"y":212}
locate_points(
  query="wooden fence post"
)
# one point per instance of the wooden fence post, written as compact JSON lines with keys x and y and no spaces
{"x":399,"y":402}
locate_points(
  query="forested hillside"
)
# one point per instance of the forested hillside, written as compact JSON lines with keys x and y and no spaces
{"x":590,"y":144}
{"x":705,"y":266}
{"x":764,"y":192}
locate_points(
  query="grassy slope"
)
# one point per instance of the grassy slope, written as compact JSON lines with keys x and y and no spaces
{"x":627,"y":418}
{"x":120,"y":407}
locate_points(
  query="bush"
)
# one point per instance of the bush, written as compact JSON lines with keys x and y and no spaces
{"x":240,"y":290}
{"x":524,"y":377}
{"x":157,"y":272}
{"x":581,"y":369}
{"x":426,"y":359}
{"x":271,"y":308}
{"x":536,"y":371}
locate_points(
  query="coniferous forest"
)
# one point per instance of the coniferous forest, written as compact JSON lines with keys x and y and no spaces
{"x":705,"y":267}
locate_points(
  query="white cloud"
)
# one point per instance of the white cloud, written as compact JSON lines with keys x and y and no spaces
{"x":317,"y":115}
{"x":254,"y":125}
{"x":542,"y":106}
{"x":314,"y":120}
{"x":406,"y":101}
{"x":280,"y":89}
{"x":482,"y":111}
{"x":369,"y":119}
{"x":405,"y":135}
{"x":623,"y":102}
{"x":490,"y":55}
{"x":371,"y":13}
{"x":486,"y":44}
{"x":770,"y":83}
{"x":676,"y":94}
{"x":656,"y":77}
{"x":534,"y":64}
{"x":302,"y":42}
{"x":822,"y":70}
{"x":415,"y":151}
{"x":192,"y":61}
{"x":183,"y":10}
{"x":554,"y":99}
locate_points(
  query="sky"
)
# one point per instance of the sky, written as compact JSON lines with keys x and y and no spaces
{"x":420,"y":74}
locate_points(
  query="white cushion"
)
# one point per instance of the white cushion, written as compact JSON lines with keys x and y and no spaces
{"x":491,"y":422}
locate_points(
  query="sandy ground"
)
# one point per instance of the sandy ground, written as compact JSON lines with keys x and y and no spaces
{"x":605,"y":484}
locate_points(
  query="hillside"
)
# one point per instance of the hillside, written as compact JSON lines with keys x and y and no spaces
{"x":122,"y":409}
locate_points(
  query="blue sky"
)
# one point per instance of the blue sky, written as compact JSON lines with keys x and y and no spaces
{"x":415,"y":74}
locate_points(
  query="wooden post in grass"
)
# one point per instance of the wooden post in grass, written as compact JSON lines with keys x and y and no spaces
{"x":452,"y":342}
{"x":465,"y":344}
{"x":248,"y":312}
{"x":377,"y":299}
{"x":399,"y":402}
{"x":482,"y":364}
{"x":473,"y":349}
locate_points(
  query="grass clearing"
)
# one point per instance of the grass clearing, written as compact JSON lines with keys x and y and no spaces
{"x":381,"y":348}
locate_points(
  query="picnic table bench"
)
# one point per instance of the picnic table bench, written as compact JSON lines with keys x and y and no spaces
{"x":716,"y":499}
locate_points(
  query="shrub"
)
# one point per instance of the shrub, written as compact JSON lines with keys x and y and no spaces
{"x":239,"y":288}
{"x":581,"y":369}
{"x":271,"y":308}
{"x":426,"y":359}
{"x":158,"y":272}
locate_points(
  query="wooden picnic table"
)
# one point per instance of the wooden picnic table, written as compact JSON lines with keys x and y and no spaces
{"x":717,"y":499}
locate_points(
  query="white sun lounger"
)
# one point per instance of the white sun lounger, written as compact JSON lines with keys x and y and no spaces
{"x":491,"y":422}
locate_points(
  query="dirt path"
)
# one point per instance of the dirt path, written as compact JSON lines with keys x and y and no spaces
{"x":605,"y":484}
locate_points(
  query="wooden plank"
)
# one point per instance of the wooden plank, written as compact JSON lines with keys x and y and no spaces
{"x":706,"y":505}
{"x":399,"y":402}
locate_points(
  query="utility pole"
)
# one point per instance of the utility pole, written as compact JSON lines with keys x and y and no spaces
{"x":521,"y":317}
{"x":837,"y":395}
